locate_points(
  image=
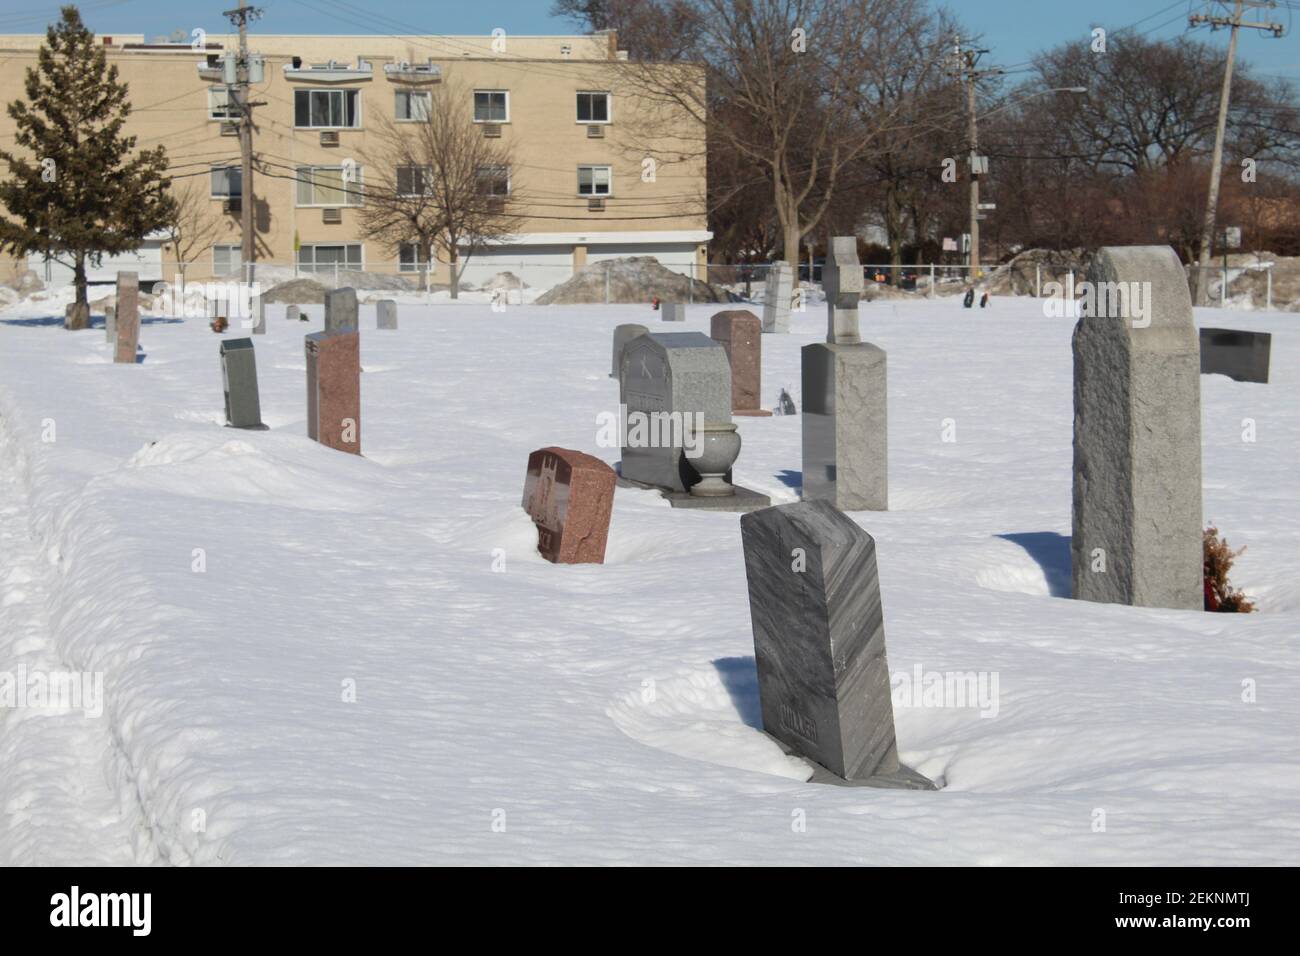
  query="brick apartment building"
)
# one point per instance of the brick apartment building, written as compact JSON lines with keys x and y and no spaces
{"x":553,"y":98}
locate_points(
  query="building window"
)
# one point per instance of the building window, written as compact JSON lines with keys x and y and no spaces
{"x":593,"y":107}
{"x":408,"y":258}
{"x":219,"y":105}
{"x":327,"y":258}
{"x":324,"y":186}
{"x":595,"y":180}
{"x":494,"y":181}
{"x":414,"y":181}
{"x":326,"y":109}
{"x":226,"y":260}
{"x":411,"y":107}
{"x":226,"y":182}
{"x":491,"y":106}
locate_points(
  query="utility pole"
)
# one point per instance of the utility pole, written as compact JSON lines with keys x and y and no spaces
{"x":1225,"y":95}
{"x":965,"y":62}
{"x":240,"y":17}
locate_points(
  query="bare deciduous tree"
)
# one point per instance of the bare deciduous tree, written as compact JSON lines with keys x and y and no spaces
{"x":440,"y":184}
{"x":782,"y":85}
{"x":191,"y":228}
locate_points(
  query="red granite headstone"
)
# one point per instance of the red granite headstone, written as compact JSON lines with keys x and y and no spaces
{"x":570,"y":496}
{"x":740,"y":333}
{"x":334,"y":389}
{"x":128,"y":317}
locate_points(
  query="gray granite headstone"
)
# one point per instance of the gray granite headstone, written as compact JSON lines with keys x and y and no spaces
{"x":239,"y":379}
{"x":842,"y":283}
{"x":845,"y":427}
{"x":291,"y":312}
{"x":673,"y":372}
{"x":259,"y":315}
{"x":673,"y":311}
{"x":622,"y":335}
{"x":777,"y":296}
{"x":819,"y":642}
{"x":110,"y":323}
{"x":341,"y":310}
{"x":1137,"y":435}
{"x":386,"y":314}
{"x":1242,"y":356}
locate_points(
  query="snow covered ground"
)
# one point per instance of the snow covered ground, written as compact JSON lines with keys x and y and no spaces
{"x":507,"y":709}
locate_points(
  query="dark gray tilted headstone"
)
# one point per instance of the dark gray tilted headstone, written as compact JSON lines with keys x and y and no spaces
{"x":1137,"y":532}
{"x":386,"y":314}
{"x":239,"y":378}
{"x":341,"y":310}
{"x":819,"y":643}
{"x":1242,"y":356}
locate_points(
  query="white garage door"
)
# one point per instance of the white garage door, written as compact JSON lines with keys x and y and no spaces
{"x":147,"y":261}
{"x":541,"y":267}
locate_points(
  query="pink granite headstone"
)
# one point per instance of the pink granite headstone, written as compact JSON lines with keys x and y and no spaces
{"x":128,"y":317}
{"x":570,"y":497}
{"x":334,"y":389}
{"x":740,"y":333}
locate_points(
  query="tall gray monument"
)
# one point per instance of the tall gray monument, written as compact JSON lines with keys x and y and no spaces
{"x":1137,"y":434}
{"x":819,"y":642}
{"x":239,"y":379}
{"x":341,"y":310}
{"x":777,"y":296}
{"x":845,"y":398}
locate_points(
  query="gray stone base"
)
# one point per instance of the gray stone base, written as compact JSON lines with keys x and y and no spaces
{"x":904,"y":778}
{"x":744,"y":500}
{"x":250,"y":428}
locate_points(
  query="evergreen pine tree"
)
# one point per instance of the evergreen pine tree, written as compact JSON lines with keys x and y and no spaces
{"x":76,"y":189}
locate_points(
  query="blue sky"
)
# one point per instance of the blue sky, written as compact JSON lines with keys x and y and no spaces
{"x":1013,"y":29}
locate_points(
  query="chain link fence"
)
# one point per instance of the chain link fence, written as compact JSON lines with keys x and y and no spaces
{"x":523,"y":280}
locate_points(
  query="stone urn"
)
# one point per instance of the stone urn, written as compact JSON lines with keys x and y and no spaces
{"x":719,"y":448}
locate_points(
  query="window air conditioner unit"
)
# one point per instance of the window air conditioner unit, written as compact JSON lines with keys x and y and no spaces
{"x":491,"y":130}
{"x":332,"y":216}
{"x":496,"y":206}
{"x":229,"y":129}
{"x":595,"y":205}
{"x":595,"y":132}
{"x":230,"y":205}
{"x":329,"y":137}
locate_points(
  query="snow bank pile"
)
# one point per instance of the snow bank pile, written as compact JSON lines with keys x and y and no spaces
{"x":311,"y":658}
{"x":297,"y":291}
{"x":635,"y":279}
{"x":1249,"y":286}
{"x":1019,"y":275}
